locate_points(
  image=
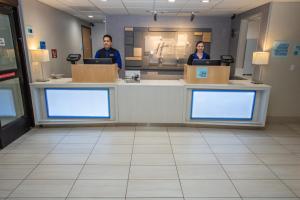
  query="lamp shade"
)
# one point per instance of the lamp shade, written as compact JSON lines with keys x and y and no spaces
{"x":40,"y":55}
{"x":260,"y":58}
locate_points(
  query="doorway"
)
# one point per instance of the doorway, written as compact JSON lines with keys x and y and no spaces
{"x":247,"y":44}
{"x":86,"y":41}
{"x":15,"y":102}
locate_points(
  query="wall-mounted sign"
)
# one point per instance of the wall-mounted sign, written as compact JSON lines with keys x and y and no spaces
{"x":42,"y":44}
{"x":2,"y":42}
{"x":7,"y":75}
{"x":202,"y":72}
{"x":296,"y":51}
{"x":54,"y":53}
{"x":280,"y":49}
{"x":29,"y":31}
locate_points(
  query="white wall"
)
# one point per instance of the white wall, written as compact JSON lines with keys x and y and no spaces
{"x":98,"y":30}
{"x":61,"y":31}
{"x":285,"y":94}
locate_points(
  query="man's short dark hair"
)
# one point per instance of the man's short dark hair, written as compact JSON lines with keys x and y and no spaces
{"x":109,"y":36}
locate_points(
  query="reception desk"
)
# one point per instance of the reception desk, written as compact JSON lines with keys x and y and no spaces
{"x":238,"y":103}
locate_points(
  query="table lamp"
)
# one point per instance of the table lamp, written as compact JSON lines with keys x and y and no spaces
{"x":40,"y":56}
{"x":259,"y":59}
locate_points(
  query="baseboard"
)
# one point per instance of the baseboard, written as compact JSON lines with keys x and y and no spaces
{"x":279,"y":119}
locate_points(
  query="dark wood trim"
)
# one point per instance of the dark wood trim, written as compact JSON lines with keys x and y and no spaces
{"x":87,"y":27}
{"x":13,"y":3}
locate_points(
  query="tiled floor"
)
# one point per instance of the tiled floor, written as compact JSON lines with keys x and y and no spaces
{"x":153,"y":163}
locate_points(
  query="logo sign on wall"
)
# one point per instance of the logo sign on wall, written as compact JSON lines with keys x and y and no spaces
{"x":297,"y":50}
{"x":280,"y":49}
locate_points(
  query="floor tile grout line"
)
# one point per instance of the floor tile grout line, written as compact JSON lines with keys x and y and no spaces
{"x":37,"y":165}
{"x":229,"y":178}
{"x":130,"y":164}
{"x":83,"y":165}
{"x":180,"y":183}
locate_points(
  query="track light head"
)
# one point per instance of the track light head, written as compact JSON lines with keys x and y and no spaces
{"x":192,"y":16}
{"x":155,"y":16}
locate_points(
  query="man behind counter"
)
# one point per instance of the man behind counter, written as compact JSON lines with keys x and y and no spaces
{"x":109,"y":52}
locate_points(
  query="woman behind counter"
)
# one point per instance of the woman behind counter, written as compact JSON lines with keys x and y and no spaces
{"x":199,"y":53}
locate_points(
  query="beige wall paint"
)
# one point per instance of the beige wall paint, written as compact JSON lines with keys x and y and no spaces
{"x":61,"y":31}
{"x":285,"y":94}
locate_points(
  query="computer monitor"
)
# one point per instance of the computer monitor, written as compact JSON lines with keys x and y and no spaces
{"x":98,"y":61}
{"x":206,"y":62}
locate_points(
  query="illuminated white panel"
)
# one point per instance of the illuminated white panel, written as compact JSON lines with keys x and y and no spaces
{"x":7,"y":106}
{"x":222,"y":104}
{"x":78,"y":103}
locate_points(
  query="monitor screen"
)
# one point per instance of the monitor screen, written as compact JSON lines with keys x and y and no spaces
{"x":206,"y":62}
{"x":98,"y":61}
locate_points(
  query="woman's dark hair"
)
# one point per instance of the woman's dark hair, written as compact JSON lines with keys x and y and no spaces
{"x":199,"y":42}
{"x":108,"y":36}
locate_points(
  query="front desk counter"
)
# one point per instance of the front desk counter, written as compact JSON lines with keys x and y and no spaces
{"x":239,"y":103}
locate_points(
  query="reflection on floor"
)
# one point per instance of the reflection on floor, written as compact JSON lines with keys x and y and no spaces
{"x":153,"y":163}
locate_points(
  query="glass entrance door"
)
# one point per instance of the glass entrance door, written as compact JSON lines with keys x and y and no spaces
{"x":15,"y":112}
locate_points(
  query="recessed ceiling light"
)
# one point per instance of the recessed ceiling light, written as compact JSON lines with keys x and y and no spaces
{"x":91,"y":16}
{"x":104,"y":0}
{"x":205,"y":1}
{"x":171,"y":1}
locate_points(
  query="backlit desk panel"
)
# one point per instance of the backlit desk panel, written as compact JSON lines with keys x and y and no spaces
{"x":239,"y":103}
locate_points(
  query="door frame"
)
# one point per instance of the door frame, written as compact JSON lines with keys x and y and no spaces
{"x":18,"y":127}
{"x":87,"y":27}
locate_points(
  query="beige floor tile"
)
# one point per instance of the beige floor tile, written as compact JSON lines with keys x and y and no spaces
{"x":55,"y":172}
{"x":262,"y":188}
{"x":294,"y":148}
{"x":109,"y":159}
{"x":116,"y":140}
{"x":222,"y":139}
{"x":238,"y":159}
{"x":229,"y":148}
{"x":153,"y":172}
{"x":27,"y":148}
{"x":152,"y":140}
{"x":108,"y":148}
{"x":186,"y":149}
{"x":152,"y":159}
{"x":152,"y":149}
{"x":202,"y":172}
{"x":15,"y":171}
{"x":43,"y":188}
{"x":154,"y":188}
{"x":91,"y":172}
{"x":271,"y":149}
{"x":71,"y":139}
{"x":257,"y":140}
{"x":65,"y":159}
{"x":286,"y":171}
{"x":208,"y":188}
{"x":73,"y":148}
{"x":195,"y":159}
{"x":294,"y":185}
{"x":283,"y":159}
{"x":188,"y":140}
{"x":99,"y":188}
{"x":249,"y":172}
{"x":21,"y":159}
{"x":7,"y":186}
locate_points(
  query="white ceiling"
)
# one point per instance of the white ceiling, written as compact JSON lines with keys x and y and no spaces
{"x":99,"y":9}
